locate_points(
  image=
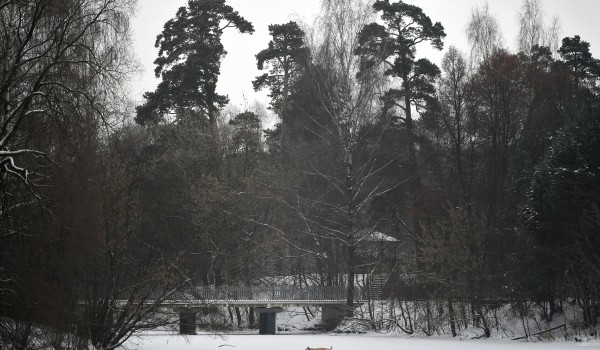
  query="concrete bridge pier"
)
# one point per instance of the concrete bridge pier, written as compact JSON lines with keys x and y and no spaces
{"x":267,"y":319}
{"x":332,"y":315}
{"x":187,"y":321}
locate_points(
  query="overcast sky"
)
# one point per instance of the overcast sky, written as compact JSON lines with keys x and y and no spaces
{"x":577,"y":17}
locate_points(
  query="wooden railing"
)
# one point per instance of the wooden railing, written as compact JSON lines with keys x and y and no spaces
{"x":267,"y":294}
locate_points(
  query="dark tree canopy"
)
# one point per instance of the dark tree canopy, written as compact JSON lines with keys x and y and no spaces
{"x":246,"y":136}
{"x":563,"y":210}
{"x":405,"y":27}
{"x":189,"y":62}
{"x":576,"y":54}
{"x":284,"y":56}
{"x":394,"y":43}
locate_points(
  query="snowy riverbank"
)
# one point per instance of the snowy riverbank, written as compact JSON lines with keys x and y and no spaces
{"x":337,"y":341}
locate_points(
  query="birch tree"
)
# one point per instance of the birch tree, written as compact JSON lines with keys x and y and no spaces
{"x":533,"y":31}
{"x":483,"y":33}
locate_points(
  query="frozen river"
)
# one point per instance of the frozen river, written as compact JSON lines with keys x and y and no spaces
{"x":338,"y":342}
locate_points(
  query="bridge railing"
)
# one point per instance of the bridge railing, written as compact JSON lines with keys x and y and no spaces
{"x":267,"y":294}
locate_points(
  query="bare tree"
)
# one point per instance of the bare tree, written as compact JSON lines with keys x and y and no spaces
{"x":531,"y":25}
{"x":56,"y":57}
{"x":62,"y":66}
{"x":349,"y":127}
{"x":553,"y":34}
{"x":483,"y":34}
{"x":533,"y":31}
{"x":452,"y":93}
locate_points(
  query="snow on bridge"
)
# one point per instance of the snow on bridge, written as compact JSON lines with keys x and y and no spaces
{"x":264,"y":296}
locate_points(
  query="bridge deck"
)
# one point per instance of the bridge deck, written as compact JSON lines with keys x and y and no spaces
{"x":263,"y":296}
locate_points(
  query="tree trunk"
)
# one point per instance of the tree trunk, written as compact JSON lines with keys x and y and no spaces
{"x":238,"y":316}
{"x":351,"y":277}
{"x":251,"y":318}
{"x":452,"y":318}
{"x":415,"y":179}
{"x":218,"y":145}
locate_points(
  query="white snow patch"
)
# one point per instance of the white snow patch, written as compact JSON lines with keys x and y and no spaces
{"x":338,"y":342}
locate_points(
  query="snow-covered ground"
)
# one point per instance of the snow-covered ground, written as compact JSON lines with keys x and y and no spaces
{"x":337,"y":341}
{"x":355,"y":335}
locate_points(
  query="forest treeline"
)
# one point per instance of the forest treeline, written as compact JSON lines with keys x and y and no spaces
{"x":463,"y":186}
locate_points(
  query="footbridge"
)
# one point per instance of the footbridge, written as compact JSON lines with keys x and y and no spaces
{"x":266,"y":301}
{"x":264,"y":296}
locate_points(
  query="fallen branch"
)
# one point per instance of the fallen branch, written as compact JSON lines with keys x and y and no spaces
{"x":542,"y":332}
